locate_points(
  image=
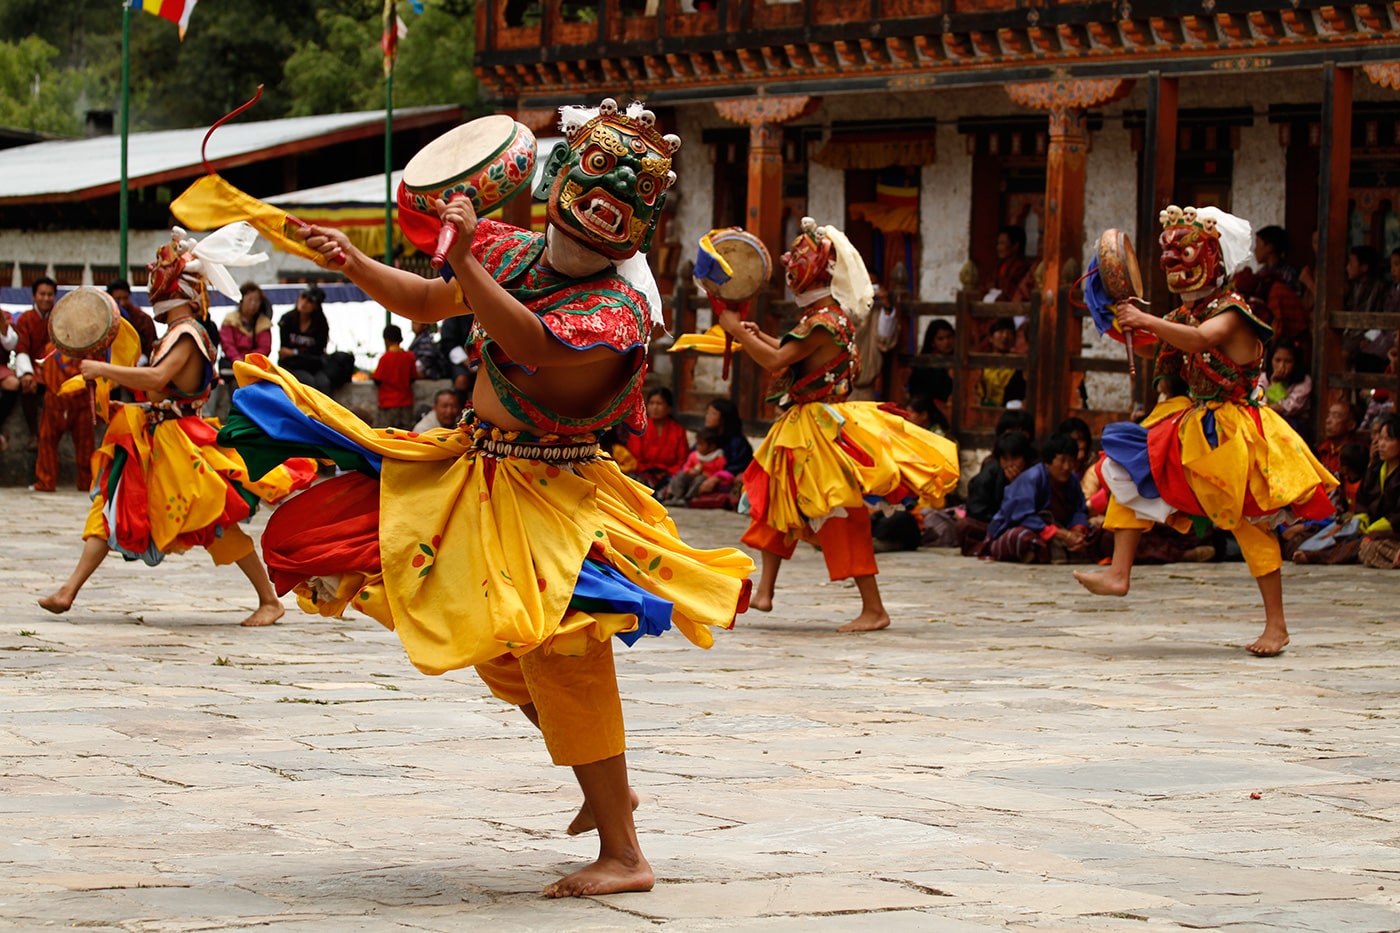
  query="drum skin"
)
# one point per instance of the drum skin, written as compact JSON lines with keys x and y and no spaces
{"x":84,"y":322}
{"x":749,"y":261}
{"x":489,"y":160}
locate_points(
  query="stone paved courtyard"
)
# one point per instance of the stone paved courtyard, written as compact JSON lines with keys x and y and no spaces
{"x":1008,"y":756}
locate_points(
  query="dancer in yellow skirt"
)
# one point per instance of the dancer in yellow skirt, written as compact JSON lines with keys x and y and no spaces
{"x":513,"y":544}
{"x":825,"y":458}
{"x":1215,"y":454}
{"x":161,"y":484}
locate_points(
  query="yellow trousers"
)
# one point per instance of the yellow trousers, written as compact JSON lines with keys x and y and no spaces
{"x":576,"y":699}
{"x":1258,"y":545}
{"x":229,"y":548}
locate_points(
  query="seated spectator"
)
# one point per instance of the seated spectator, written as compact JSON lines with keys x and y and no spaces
{"x":934,"y":381}
{"x":1378,"y":503}
{"x":704,"y":462}
{"x":445,"y":413}
{"x":1374,"y":347}
{"x":1011,"y":279}
{"x":921,"y":410}
{"x":1365,"y":292}
{"x":1338,"y":430}
{"x":1337,"y":541}
{"x":9,"y":382}
{"x":612,"y":446}
{"x":894,"y":529}
{"x":723,"y":416}
{"x":452,"y":343}
{"x":1287,"y":387}
{"x":1273,"y":290}
{"x":1001,"y":387}
{"x":662,"y":448}
{"x":1011,"y":455}
{"x":1042,"y":518}
{"x":305,"y":334}
{"x":431,"y":363}
{"x":1018,"y":420}
{"x":145,"y":327}
{"x":1078,"y":429}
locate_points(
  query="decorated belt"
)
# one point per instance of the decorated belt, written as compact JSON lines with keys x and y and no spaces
{"x":493,"y":442}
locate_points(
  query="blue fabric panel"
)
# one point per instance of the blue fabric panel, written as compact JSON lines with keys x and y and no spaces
{"x":1126,"y":444}
{"x":602,"y":588}
{"x":270,"y":409}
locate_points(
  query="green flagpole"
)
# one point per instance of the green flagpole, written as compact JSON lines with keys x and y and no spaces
{"x":126,"y":107}
{"x":389,"y":161}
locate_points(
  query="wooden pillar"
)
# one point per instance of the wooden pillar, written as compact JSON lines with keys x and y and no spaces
{"x":1335,"y":168}
{"x":764,"y":117}
{"x":1156,"y":187}
{"x":1062,"y":243}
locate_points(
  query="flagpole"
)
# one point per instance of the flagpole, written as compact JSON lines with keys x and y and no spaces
{"x":126,"y":108}
{"x":389,"y":160}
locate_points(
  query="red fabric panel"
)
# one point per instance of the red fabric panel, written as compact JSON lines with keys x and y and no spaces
{"x":331,"y":528}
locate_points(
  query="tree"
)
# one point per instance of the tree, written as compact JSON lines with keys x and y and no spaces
{"x":35,"y":95}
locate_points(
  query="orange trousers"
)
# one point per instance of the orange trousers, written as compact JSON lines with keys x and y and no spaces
{"x":63,"y":414}
{"x":845,"y":542}
{"x":576,"y":699}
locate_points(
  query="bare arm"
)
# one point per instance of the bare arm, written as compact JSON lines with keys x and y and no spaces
{"x":765,"y":350}
{"x":1209,"y":334}
{"x":145,"y":378}
{"x":518,"y":331}
{"x":402,"y":292}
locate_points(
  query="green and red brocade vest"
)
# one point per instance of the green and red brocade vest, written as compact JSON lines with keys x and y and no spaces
{"x":598,"y":310}
{"x":1210,"y":375}
{"x":830,"y":382}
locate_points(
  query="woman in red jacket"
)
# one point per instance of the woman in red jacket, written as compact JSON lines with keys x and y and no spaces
{"x":663,"y":447}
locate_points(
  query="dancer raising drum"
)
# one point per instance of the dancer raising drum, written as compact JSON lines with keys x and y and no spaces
{"x":511,"y":543}
{"x":1215,"y":454}
{"x":825,"y":456}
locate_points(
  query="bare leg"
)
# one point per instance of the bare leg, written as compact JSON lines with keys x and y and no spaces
{"x":1275,"y":635}
{"x":762,"y":598}
{"x":61,"y":599}
{"x":1114,"y":581}
{"x":872,"y":609}
{"x":269,"y":606}
{"x":620,"y":865}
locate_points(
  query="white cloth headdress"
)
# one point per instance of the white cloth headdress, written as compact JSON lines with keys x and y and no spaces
{"x":850,"y":280}
{"x":211,"y":258}
{"x":1236,"y":238}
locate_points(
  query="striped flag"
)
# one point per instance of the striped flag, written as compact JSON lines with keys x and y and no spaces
{"x":177,"y":11}
{"x":394,"y":30}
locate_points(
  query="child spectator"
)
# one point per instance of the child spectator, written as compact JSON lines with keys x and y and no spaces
{"x":394,"y":376}
{"x":1287,"y":388}
{"x":1001,"y":387}
{"x":921,"y":410}
{"x":1078,"y":429}
{"x":424,"y":347}
{"x":1042,"y":517}
{"x":723,"y":416}
{"x":1337,"y":541}
{"x":1378,"y":503}
{"x":661,"y":449}
{"x":1011,"y":454}
{"x":704,"y":462}
{"x":934,"y":381}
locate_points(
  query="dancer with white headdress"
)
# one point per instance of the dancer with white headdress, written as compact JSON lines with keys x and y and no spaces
{"x":1214,"y":455}
{"x":161,"y":484}
{"x":825,"y":458}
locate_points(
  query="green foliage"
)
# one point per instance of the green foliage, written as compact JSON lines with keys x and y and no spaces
{"x":311,"y":56}
{"x":34,"y":94}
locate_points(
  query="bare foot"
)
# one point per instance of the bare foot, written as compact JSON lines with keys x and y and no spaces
{"x":264,"y":615}
{"x":867,"y":622}
{"x":1271,"y":643}
{"x":763,"y":602}
{"x":606,"y":876}
{"x":584,"y":822}
{"x":1102,"y":584}
{"x":56,"y":604}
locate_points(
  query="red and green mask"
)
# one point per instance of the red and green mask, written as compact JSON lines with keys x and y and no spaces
{"x":605,"y":187}
{"x":808,"y":260}
{"x":1191,"y":255}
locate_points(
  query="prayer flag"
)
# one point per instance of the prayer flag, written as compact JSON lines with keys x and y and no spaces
{"x":394,"y":30}
{"x":177,"y":11}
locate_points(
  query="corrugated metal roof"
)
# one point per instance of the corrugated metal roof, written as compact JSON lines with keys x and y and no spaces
{"x":71,"y":167}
